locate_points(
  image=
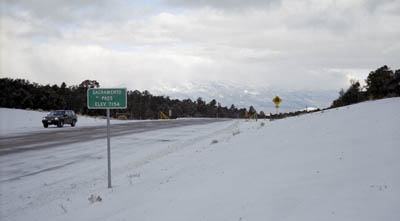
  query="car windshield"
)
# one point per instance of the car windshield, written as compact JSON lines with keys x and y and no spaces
{"x":57,"y":113}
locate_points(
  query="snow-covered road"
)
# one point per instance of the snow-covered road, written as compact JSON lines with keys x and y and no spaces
{"x":55,"y":137}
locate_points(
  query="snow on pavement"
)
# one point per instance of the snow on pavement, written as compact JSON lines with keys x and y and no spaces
{"x":340,"y":164}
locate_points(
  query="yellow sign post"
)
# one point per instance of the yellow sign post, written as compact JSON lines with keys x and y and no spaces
{"x":277,"y":100}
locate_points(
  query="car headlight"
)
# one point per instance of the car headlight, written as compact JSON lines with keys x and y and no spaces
{"x":43,"y":118}
{"x":56,"y":118}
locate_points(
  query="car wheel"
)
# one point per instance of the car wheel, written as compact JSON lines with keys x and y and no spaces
{"x":45,"y":125}
{"x":60,"y":124}
{"x":73,"y":123}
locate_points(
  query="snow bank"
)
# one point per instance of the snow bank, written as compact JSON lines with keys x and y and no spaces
{"x":340,"y":164}
{"x":22,"y":121}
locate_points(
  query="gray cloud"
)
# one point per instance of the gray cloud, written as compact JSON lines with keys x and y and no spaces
{"x":58,"y":10}
{"x":373,"y":5}
{"x":224,"y":4}
{"x":294,"y":44}
{"x":78,"y":12}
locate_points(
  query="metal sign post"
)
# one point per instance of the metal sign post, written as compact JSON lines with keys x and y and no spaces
{"x":107,"y":98}
{"x":108,"y":149}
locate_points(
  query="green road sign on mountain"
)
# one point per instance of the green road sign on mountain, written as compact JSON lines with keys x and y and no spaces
{"x":106,"y":98}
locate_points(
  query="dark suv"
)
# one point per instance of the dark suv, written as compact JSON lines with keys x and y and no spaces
{"x":59,"y":118}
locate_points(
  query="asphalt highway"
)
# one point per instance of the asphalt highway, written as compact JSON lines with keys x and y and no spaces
{"x":68,"y":135}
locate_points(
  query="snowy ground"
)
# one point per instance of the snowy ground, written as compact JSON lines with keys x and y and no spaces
{"x":341,"y":164}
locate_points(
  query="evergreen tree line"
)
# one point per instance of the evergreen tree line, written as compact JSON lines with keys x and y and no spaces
{"x":381,"y":83}
{"x":22,"y":94}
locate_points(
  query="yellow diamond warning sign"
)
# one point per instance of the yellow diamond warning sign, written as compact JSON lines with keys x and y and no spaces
{"x":277,"y":100}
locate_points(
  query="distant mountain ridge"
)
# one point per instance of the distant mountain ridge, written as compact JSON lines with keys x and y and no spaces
{"x":260,"y":98}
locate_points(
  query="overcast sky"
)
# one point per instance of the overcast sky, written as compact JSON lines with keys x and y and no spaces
{"x":317,"y":44}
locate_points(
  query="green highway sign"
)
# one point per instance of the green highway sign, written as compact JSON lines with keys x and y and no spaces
{"x":106,"y":98}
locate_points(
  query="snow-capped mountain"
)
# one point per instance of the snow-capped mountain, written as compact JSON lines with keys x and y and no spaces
{"x":228,"y":93}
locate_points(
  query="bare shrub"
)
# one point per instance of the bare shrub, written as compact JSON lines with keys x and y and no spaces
{"x":92,"y":198}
